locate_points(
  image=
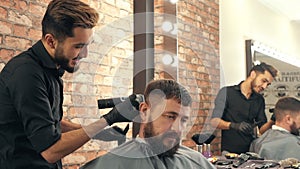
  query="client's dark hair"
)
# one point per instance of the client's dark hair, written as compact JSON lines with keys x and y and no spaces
{"x":171,"y":89}
{"x":286,"y":105}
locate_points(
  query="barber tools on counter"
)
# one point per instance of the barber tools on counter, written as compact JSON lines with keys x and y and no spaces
{"x":203,"y":141}
{"x":229,"y":160}
{"x":290,"y":163}
{"x":246,"y":160}
{"x":241,"y":160}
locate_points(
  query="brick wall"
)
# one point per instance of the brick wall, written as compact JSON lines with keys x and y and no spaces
{"x":198,"y":51}
{"x":107,"y":72}
{"x":196,"y":48}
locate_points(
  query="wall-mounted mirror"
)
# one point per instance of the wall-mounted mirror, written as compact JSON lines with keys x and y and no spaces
{"x":288,"y":81}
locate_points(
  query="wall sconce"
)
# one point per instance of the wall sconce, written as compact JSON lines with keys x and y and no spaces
{"x":167,"y":59}
{"x":167,"y":65}
{"x":173,"y":1}
{"x":169,"y":27}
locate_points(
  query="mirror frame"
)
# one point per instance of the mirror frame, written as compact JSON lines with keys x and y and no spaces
{"x":287,"y":83}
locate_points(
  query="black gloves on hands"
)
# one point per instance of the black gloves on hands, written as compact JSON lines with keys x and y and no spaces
{"x":123,"y":112}
{"x":243,"y":127}
{"x":114,"y":133}
{"x":273,"y":117}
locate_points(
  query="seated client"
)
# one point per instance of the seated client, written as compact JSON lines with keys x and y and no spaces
{"x":164,"y":115}
{"x":282,"y":141}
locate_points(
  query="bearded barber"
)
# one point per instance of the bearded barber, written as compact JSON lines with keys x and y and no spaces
{"x":240,"y":108}
{"x":32,"y":132}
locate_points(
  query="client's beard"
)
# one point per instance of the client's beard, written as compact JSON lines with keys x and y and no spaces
{"x":294,"y":129}
{"x":156,"y":142}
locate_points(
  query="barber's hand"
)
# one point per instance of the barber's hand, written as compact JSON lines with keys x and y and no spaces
{"x":123,"y":112}
{"x":114,"y":133}
{"x":273,"y":117}
{"x":243,"y":127}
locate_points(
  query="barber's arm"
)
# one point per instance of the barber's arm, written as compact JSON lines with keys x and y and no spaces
{"x":219,"y":123}
{"x":267,"y":125}
{"x":262,"y":122}
{"x":68,"y":126}
{"x":220,"y":105}
{"x":243,"y":127}
{"x":72,"y":140}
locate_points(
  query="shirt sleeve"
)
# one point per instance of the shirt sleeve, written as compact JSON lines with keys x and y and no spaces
{"x":28,"y":91}
{"x":220,"y":103}
{"x":261,"y":117}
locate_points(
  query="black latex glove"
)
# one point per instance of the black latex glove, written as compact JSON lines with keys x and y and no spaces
{"x":114,"y":133}
{"x":273,"y":117}
{"x":242,"y":127}
{"x":123,"y":112}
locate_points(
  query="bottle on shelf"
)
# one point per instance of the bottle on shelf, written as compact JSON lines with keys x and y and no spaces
{"x":206,"y":151}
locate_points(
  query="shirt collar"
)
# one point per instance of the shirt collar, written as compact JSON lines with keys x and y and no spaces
{"x":254,"y":95}
{"x":238,"y":87}
{"x":44,"y":58}
{"x":41,"y":54}
{"x":274,"y":127}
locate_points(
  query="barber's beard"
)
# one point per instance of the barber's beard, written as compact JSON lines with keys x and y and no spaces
{"x":294,"y":129}
{"x":158,"y":142}
{"x":253,"y":86}
{"x":62,"y":60}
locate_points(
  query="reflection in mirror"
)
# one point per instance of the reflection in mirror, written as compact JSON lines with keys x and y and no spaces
{"x":165,"y":43}
{"x":288,"y":81}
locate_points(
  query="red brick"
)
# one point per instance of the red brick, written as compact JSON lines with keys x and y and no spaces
{"x":3,"y":13}
{"x":36,"y":9}
{"x":6,"y":54}
{"x":44,"y":2}
{"x":6,"y":3}
{"x":19,"y":18}
{"x":20,"y":5}
{"x":111,"y":10}
{"x":17,"y":43}
{"x":17,"y":52}
{"x":21,"y":31}
{"x":35,"y":34}
{"x":5,"y":28}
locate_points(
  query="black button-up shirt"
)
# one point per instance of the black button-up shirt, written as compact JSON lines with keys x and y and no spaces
{"x":231,"y":105}
{"x":31,"y":96}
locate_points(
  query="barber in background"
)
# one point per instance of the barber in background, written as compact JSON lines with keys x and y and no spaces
{"x":32,"y":132}
{"x":282,"y":141}
{"x":239,"y":108}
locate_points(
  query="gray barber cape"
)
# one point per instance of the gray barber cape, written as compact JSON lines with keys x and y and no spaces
{"x":277,"y":145}
{"x":136,"y":154}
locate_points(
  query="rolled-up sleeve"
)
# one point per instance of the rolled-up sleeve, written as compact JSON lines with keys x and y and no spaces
{"x":220,"y":103}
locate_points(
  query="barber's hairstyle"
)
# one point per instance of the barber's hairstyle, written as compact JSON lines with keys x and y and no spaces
{"x":286,"y":105}
{"x":261,"y":68}
{"x":62,"y":16}
{"x":170,"y":89}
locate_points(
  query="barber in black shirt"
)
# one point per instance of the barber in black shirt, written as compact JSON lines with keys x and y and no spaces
{"x":32,"y":132}
{"x":239,"y":108}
